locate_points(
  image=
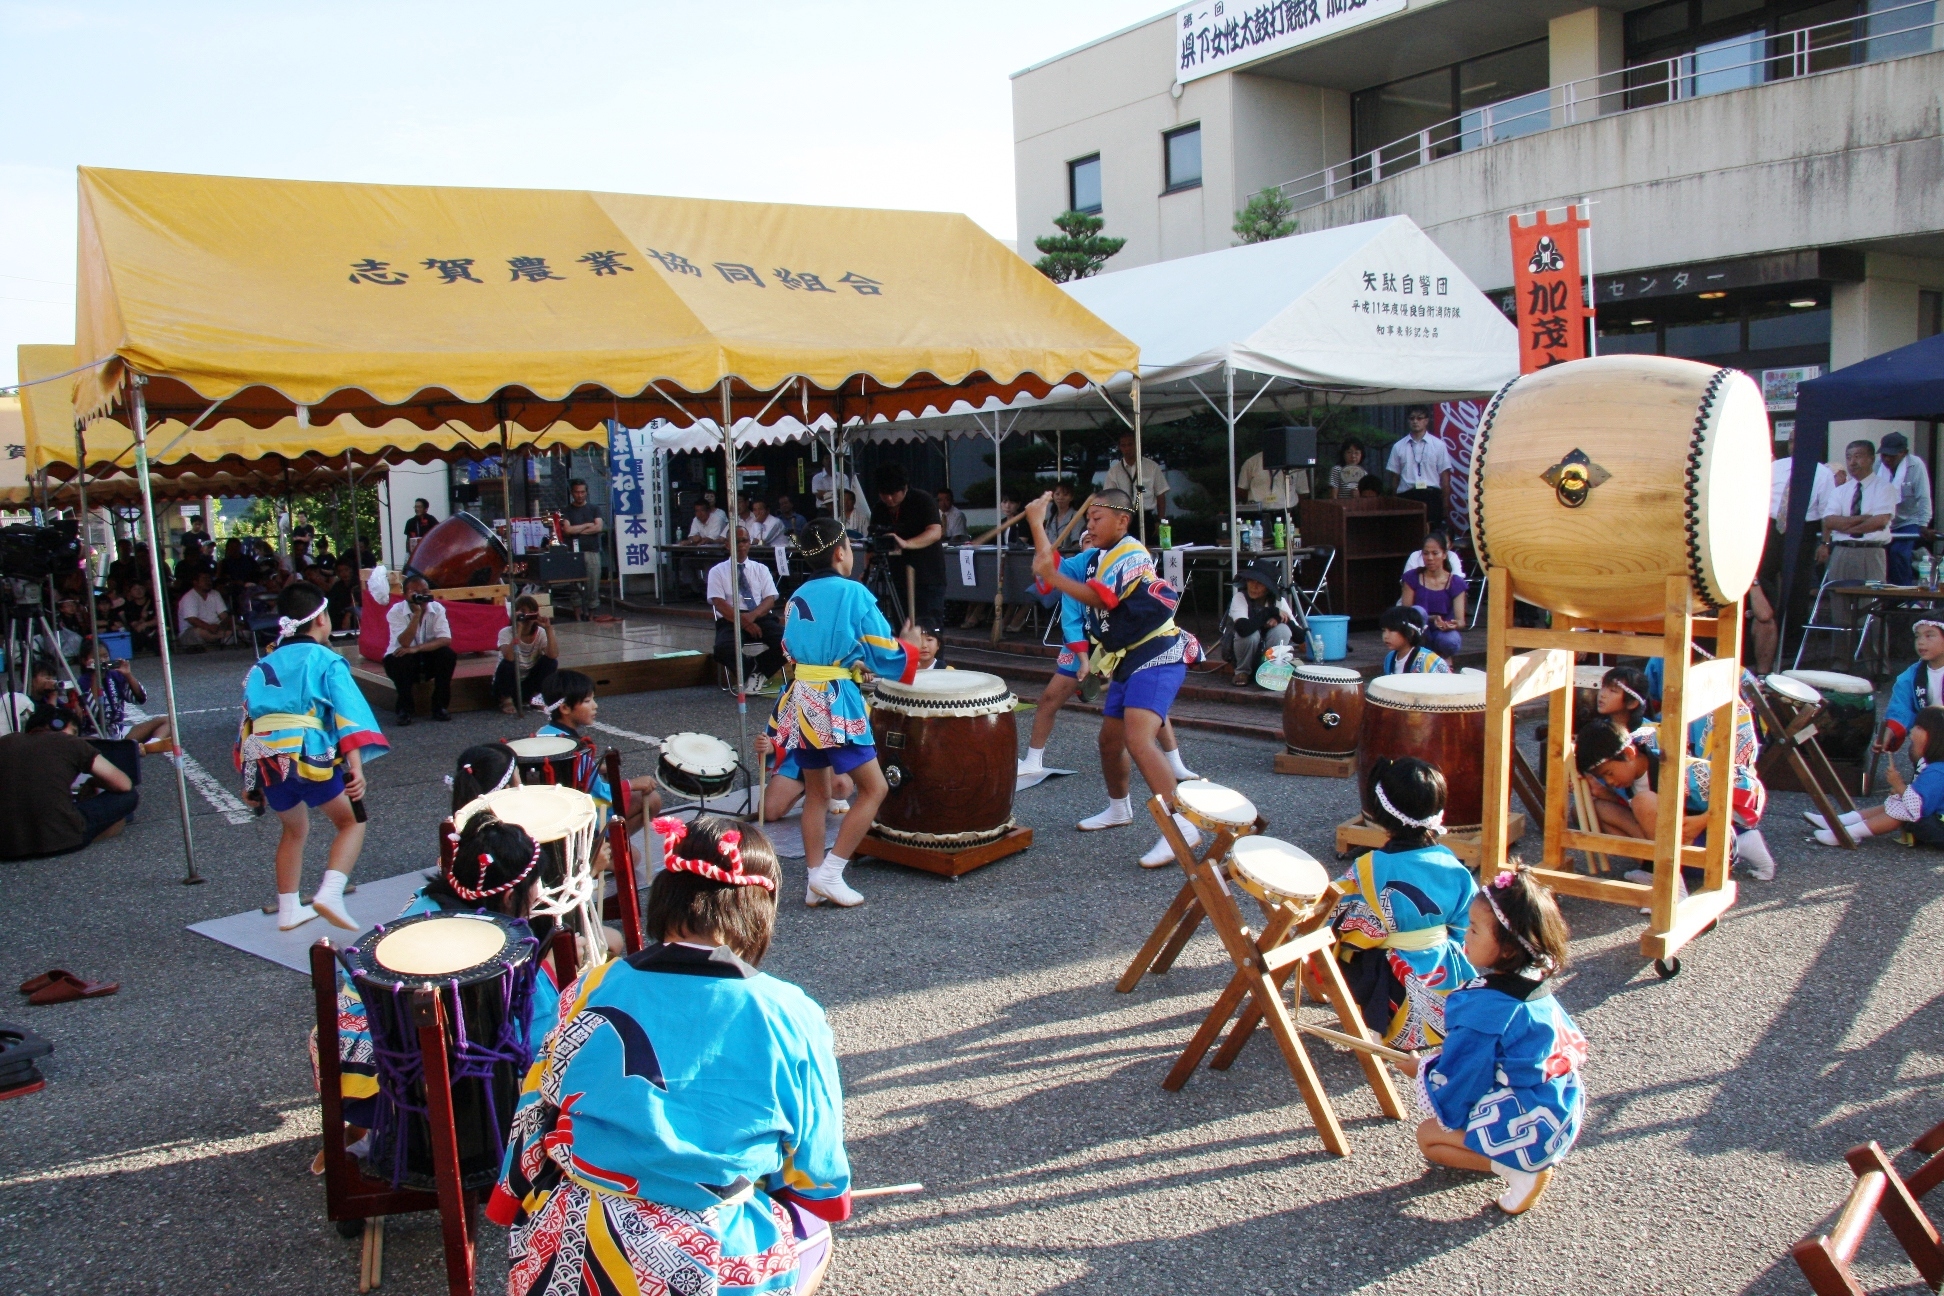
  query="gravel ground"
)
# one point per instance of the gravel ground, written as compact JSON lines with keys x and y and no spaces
{"x":986,"y":1054}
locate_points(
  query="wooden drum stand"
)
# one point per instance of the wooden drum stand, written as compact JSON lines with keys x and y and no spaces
{"x":1690,"y":692}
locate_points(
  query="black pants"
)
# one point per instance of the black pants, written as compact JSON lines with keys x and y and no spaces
{"x":505,"y":678}
{"x":930,"y":612}
{"x":1433,"y":500}
{"x":101,"y":811}
{"x":771,"y":660}
{"x":407,"y":670}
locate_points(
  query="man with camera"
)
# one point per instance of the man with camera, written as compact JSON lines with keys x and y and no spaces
{"x":420,"y":649}
{"x":757,"y":589}
{"x":911,"y":529}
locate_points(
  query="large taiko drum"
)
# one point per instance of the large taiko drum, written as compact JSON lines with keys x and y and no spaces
{"x":1593,"y":482}
{"x":1440,"y":719}
{"x":949,"y":748}
{"x":482,"y":967}
{"x":1322,"y":710}
{"x":458,"y":552}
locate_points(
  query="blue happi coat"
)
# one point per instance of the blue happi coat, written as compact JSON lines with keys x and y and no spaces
{"x":1508,"y":1074}
{"x":1401,"y":933}
{"x":834,"y":628}
{"x":301,"y":711}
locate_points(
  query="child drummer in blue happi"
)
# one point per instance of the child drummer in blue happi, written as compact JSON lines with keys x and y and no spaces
{"x":832,"y":633}
{"x":1503,"y":1094}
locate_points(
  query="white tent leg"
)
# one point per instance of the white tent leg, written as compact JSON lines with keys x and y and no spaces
{"x":1140,"y":511}
{"x":1235,"y":521}
{"x":735,"y":575}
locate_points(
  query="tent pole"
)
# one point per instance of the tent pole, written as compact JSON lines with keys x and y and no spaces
{"x":1235,"y":520}
{"x":1140,"y":510}
{"x":506,"y":470}
{"x":163,"y":619}
{"x":351,"y":484}
{"x":87,"y":558}
{"x":735,"y":574}
{"x":999,"y":515}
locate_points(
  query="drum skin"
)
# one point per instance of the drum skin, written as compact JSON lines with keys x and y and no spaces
{"x":954,"y":774}
{"x":1322,"y":717}
{"x":1454,"y":741}
{"x":1677,"y":452}
{"x":459,"y":552}
{"x":554,"y":768}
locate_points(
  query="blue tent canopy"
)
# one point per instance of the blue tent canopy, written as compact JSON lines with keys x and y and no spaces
{"x":1907,"y":383}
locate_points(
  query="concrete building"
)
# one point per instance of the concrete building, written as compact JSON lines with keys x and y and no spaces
{"x":1767,"y":175}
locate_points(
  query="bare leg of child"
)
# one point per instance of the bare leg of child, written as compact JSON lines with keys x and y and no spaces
{"x":345,"y":849}
{"x":1447,"y":1148}
{"x":290,"y":867}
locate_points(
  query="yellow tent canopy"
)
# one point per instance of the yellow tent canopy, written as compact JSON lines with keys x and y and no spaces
{"x":448,"y":306}
{"x":13,"y":452}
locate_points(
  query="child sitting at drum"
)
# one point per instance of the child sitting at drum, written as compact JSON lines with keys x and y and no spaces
{"x":1920,"y":685}
{"x":488,"y":767}
{"x":568,"y":700}
{"x":305,"y":735}
{"x":1916,"y":807}
{"x":1401,"y":930}
{"x":832,"y":631}
{"x":683,"y":1128}
{"x":1403,"y":629}
{"x":1503,"y":1093}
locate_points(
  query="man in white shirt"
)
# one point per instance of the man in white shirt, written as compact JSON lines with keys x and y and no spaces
{"x":202,"y":618}
{"x":1419,"y":467}
{"x":1856,"y":531}
{"x":764,"y":529}
{"x":952,"y":517}
{"x":1147,"y":485}
{"x":708,"y":526}
{"x":1912,"y":481}
{"x":1282,"y":488}
{"x":756,"y":591}
{"x":420,"y":649}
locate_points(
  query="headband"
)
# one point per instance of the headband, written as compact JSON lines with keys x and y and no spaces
{"x":1434,"y":824}
{"x":806,"y":551}
{"x":674,"y":830}
{"x":539,"y":703}
{"x":1506,"y":878}
{"x":1925,"y":621}
{"x":483,"y":891}
{"x":1621,"y":684}
{"x":287,"y":627}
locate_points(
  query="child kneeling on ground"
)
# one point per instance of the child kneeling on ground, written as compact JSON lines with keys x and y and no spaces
{"x":1916,"y":807}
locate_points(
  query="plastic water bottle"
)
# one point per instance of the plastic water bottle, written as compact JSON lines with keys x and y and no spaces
{"x":1166,"y":534}
{"x":1281,"y":536}
{"x":1923,"y":567}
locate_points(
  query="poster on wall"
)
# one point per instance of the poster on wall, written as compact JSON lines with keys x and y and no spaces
{"x":1456,"y":423}
{"x":1779,"y":385}
{"x":1219,"y":35}
{"x":638,"y":472}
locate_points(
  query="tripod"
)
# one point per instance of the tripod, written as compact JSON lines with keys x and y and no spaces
{"x":28,"y":624}
{"x":877,"y":579}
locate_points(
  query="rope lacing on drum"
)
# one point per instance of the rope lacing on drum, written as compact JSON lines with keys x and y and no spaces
{"x":1691,"y":506}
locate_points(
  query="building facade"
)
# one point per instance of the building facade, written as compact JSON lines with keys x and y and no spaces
{"x":1766,"y":176}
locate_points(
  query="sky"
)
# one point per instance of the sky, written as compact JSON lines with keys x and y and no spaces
{"x":851,"y":104}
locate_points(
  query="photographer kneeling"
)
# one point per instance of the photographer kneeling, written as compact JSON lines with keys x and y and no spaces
{"x":39,"y":814}
{"x":421,"y":648}
{"x":529,"y":653}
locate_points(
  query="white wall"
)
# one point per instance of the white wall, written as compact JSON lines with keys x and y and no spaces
{"x":402,"y":485}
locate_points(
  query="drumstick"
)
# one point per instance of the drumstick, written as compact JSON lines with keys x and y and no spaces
{"x":1072,"y":522}
{"x":988,"y":536}
{"x":890,"y":1190}
{"x":762,"y":786}
{"x":911,"y":597}
{"x":1351,"y":1041}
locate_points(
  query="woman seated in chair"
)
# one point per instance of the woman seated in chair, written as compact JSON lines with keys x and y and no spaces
{"x":683,"y":1128}
{"x":1440,"y":593}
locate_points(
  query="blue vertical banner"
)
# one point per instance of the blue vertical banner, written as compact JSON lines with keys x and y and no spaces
{"x":634,"y":466}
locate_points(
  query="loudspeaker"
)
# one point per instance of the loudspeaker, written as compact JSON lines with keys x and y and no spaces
{"x":1289,"y":447}
{"x":466,"y":492}
{"x":556,"y":563}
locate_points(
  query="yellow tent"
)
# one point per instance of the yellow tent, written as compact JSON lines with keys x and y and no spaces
{"x":13,"y":452}
{"x":446,"y":306}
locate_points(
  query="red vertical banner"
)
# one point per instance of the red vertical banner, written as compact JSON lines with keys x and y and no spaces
{"x":1547,"y":282}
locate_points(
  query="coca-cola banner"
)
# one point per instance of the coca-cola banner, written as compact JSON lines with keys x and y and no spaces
{"x":1457,"y":423}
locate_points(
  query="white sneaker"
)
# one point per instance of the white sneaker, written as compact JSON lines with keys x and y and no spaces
{"x":1114,"y":816}
{"x":827,"y":883}
{"x":1642,"y":876}
{"x":1522,"y":1188}
{"x":304,"y":914}
{"x":1160,"y":855}
{"x":1753,"y":853}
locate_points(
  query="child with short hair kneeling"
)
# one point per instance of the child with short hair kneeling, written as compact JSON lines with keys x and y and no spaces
{"x":1503,"y":1093}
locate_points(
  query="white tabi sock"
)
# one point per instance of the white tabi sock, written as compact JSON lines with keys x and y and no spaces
{"x":1857,"y":832}
{"x":1035,"y":759}
{"x":291,"y":914}
{"x":832,"y":860}
{"x":1120,"y":805}
{"x":331,"y":890}
{"x":1178,"y":765}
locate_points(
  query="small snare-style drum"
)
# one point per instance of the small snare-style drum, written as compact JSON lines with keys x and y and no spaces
{"x":1214,"y":808}
{"x":949,"y":747}
{"x":1440,"y":719}
{"x":701,"y":765}
{"x":482,"y":967}
{"x":1276,"y":872}
{"x":1849,"y":724}
{"x":545,"y":759}
{"x":1793,"y":691}
{"x":1323,"y":710}
{"x":565,"y":823}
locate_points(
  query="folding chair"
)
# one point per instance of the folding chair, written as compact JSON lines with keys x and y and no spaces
{"x":1308,"y":599}
{"x":1812,"y":625}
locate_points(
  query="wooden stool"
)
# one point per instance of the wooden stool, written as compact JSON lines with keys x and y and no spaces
{"x":1790,"y":709}
{"x":1825,"y":1258}
{"x":1296,"y":933}
{"x":1224,"y":814}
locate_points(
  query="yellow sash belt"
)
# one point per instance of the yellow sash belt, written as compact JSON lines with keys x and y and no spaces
{"x":1424,"y":938}
{"x":283,"y":720}
{"x":829,"y":674}
{"x":1105,"y":664}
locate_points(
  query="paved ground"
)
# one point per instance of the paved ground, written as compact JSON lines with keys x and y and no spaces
{"x":986,"y":1054}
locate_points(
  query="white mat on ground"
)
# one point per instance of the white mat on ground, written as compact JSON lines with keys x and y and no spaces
{"x":255,"y":932}
{"x":1036,"y":778}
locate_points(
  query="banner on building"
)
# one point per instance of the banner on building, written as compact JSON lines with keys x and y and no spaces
{"x":637,"y":471}
{"x":1546,"y":281}
{"x":1456,"y":424}
{"x":1217,"y":35}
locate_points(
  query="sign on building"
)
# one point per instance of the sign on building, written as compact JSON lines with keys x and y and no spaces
{"x":1546,"y":282}
{"x":1220,"y":35}
{"x":638,"y":474}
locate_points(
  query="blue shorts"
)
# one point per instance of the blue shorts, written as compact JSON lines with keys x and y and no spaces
{"x":1069,"y":664}
{"x":789,"y":769}
{"x":1152,"y":689}
{"x":292,"y":792}
{"x":838,"y":760}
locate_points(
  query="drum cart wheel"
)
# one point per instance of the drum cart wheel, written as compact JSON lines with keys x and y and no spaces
{"x":1668,"y":968}
{"x":349,"y":1228}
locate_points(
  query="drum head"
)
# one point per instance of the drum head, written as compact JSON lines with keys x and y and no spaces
{"x":1793,"y":689}
{"x":1589,"y":677}
{"x":1278,"y":869}
{"x":946,"y":692}
{"x":1832,"y":682}
{"x":1326,"y":674}
{"x":1428,"y":692}
{"x":439,"y":947}
{"x":541,"y":746}
{"x":548,"y":813}
{"x":1214,"y":807}
{"x":703,"y":755}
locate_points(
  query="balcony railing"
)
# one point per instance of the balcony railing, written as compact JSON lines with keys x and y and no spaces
{"x":1733,"y":64}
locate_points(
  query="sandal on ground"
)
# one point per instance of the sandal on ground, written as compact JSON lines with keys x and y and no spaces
{"x":69,"y":988}
{"x":45,"y":979}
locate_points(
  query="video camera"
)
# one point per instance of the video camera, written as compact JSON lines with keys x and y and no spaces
{"x":883,"y":542}
{"x":33,"y":553}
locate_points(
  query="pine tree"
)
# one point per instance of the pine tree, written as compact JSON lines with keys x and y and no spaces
{"x":1266,"y":217}
{"x":1078,"y":251}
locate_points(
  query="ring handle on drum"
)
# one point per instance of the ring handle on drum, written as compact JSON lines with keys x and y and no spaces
{"x":893,"y":776}
{"x":1331,"y":719}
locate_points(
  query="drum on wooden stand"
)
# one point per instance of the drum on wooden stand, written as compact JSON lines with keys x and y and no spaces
{"x":1323,"y":711}
{"x":1277,"y":873}
{"x":565,"y":822}
{"x":1214,"y":808}
{"x":1440,"y":719}
{"x":545,"y":760}
{"x":949,"y":748}
{"x":482,"y":967}
{"x":459,"y":552}
{"x":1848,"y":726}
{"x":698,"y":764}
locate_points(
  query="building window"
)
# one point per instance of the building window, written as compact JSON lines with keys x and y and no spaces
{"x":1685,"y":48}
{"x":1449,"y":109}
{"x":1182,"y":150}
{"x":1083,"y":184}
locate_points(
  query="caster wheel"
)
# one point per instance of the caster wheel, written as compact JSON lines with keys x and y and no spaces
{"x":1667,"y":969}
{"x":350,"y":1228}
